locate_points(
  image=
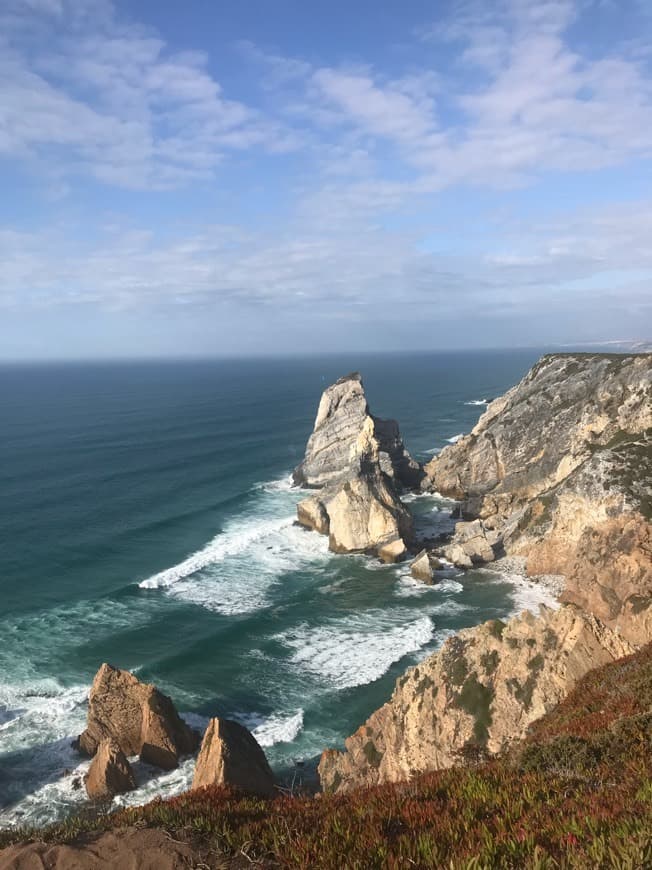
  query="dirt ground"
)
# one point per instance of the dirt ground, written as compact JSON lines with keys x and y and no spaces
{"x":127,"y":849}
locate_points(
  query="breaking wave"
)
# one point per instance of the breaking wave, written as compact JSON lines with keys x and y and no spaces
{"x":357,"y":649}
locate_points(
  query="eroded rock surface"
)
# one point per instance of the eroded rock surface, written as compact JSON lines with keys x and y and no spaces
{"x":559,"y":470}
{"x":476,"y":695}
{"x":359,"y":465}
{"x":110,"y":773}
{"x":422,"y":569}
{"x":138,"y":718}
{"x":230,"y":755}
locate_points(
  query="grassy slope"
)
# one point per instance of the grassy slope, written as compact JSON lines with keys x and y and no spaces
{"x":576,"y":793}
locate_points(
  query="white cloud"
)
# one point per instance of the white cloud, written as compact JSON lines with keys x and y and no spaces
{"x":362,"y":234}
{"x":110,"y":99}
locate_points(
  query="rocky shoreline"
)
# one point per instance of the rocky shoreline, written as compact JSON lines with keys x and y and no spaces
{"x":552,"y":485}
{"x":517,"y":565}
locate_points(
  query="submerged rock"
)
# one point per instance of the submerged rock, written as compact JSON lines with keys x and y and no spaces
{"x":110,"y":773}
{"x":138,"y":718}
{"x":231,"y":756}
{"x":359,"y":464}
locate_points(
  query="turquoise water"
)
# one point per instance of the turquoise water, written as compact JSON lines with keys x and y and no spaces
{"x":146,"y":519}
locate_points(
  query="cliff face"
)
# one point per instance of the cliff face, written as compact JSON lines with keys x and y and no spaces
{"x":558,"y":470}
{"x":479,"y":693}
{"x":359,"y":465}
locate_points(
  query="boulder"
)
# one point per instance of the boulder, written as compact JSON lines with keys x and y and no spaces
{"x":312,"y":514}
{"x":471,"y":536}
{"x":137,"y":717}
{"x":231,"y":756}
{"x":392,"y":552}
{"x":365,"y":514}
{"x":110,"y":773}
{"x":458,"y":556}
{"x":421,"y":569}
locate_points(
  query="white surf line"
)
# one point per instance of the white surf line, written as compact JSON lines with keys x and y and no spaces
{"x":355,"y":651}
{"x":226,"y":543}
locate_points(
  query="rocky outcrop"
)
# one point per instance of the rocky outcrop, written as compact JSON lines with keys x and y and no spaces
{"x":333,"y":450}
{"x":231,"y":756}
{"x":474,"y":697}
{"x":422,"y":569}
{"x":138,"y":718}
{"x":359,"y":465}
{"x":110,"y":773}
{"x":559,"y":470}
{"x":472,"y":545}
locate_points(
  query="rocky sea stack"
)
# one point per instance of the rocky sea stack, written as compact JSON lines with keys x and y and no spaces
{"x":359,"y":466}
{"x":230,"y":755}
{"x":137,"y":718}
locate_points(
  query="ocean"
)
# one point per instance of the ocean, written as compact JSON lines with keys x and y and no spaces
{"x":146,"y":519}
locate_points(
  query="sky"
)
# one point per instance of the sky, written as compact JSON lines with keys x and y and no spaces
{"x":221,"y":178}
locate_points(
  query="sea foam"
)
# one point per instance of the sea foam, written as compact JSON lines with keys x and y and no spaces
{"x":356,"y":649}
{"x":231,"y":542}
{"x":277,"y":728}
{"x":234,"y":571}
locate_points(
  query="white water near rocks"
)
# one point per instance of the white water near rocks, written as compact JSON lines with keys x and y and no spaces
{"x":342,"y":653}
{"x":255,"y":619}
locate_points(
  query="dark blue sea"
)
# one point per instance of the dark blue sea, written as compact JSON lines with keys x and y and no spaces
{"x":146,"y":519}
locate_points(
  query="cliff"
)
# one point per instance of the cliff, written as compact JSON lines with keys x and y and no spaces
{"x":574,"y":794}
{"x":474,"y":697}
{"x":558,"y":470}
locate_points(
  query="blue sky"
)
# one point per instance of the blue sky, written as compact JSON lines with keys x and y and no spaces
{"x":218,"y":178}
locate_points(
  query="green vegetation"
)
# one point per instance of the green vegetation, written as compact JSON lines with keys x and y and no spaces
{"x":371,"y":754}
{"x":523,"y":693}
{"x":489,"y":662}
{"x":496,"y":628}
{"x":458,"y":669}
{"x":576,"y":794}
{"x":425,"y":683}
{"x":475,"y":699}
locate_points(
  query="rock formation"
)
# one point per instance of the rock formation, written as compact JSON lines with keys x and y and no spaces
{"x":421,"y":568}
{"x":110,"y":773}
{"x":477,"y":694}
{"x":559,"y":470}
{"x":359,"y":465}
{"x":231,"y":756}
{"x":137,"y":717}
{"x":333,"y":451}
{"x":473,"y":544}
